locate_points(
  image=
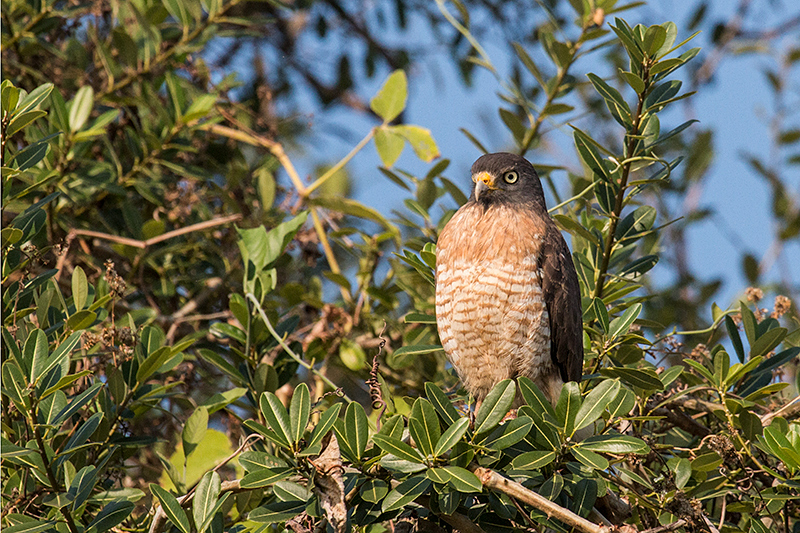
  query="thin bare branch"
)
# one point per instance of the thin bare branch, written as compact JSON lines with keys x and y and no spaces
{"x":136,"y":243}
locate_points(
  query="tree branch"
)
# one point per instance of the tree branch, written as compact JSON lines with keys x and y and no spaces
{"x":136,"y":243}
{"x":494,"y":480}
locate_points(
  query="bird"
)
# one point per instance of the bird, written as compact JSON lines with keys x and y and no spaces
{"x":508,"y":301}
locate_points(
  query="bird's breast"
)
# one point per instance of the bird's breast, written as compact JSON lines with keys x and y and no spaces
{"x":490,"y":311}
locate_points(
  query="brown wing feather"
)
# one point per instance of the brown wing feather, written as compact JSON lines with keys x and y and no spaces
{"x":562,"y":296}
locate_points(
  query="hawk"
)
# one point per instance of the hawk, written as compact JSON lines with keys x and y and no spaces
{"x":507,"y":296}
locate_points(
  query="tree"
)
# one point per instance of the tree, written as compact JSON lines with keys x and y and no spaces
{"x":147,"y":307}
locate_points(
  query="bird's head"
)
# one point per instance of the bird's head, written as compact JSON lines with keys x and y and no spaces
{"x":505,"y":178}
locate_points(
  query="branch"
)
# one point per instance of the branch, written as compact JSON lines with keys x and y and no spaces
{"x":683,"y":421}
{"x":136,"y":243}
{"x":248,"y":136}
{"x":789,"y":409}
{"x":493,"y":480}
{"x":226,"y":486}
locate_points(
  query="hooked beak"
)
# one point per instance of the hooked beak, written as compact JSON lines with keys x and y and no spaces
{"x":483,"y":182}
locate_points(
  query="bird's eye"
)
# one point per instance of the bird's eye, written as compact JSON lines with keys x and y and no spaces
{"x":510,"y":177}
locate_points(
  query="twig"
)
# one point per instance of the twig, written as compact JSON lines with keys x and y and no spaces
{"x":160,"y":518}
{"x":136,"y":243}
{"x":226,"y":486}
{"x":787,"y":410}
{"x":683,"y":421}
{"x":248,"y":136}
{"x":494,"y":480}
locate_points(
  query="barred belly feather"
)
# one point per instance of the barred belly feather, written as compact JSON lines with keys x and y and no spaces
{"x":492,"y":319}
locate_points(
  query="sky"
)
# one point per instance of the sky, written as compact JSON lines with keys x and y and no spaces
{"x":736,"y":105}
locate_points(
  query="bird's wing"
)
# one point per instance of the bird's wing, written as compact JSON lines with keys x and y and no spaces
{"x":562,"y":296}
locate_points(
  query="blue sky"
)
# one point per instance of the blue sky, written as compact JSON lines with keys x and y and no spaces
{"x":737,"y":106}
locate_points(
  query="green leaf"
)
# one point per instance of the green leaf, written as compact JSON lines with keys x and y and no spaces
{"x":81,"y":487}
{"x":600,"y":313}
{"x":179,"y":12}
{"x":462,"y":479}
{"x":513,"y":431}
{"x":264,"y":477}
{"x":81,"y":108}
{"x":569,"y":402}
{"x":355,"y":209}
{"x":596,"y":402}
{"x":636,"y":83}
{"x":442,"y":404}
{"x":417,"y":349}
{"x":200,"y":107}
{"x":420,"y":140}
{"x":80,"y":437}
{"x":34,"y":98}
{"x":682,"y":470}
{"x":194,"y":430}
{"x":618,"y":444}
{"x":702,"y":370}
{"x":77,"y":403}
{"x":80,"y":288}
{"x":398,"y":448}
{"x":533,"y":460}
{"x":353,"y":431}
{"x":654,"y":39}
{"x":535,"y":397}
{"x":326,"y":422}
{"x":406,"y":492}
{"x":205,"y":497}
{"x":736,"y":340}
{"x":389,"y":144}
{"x":583,"y":496}
{"x":451,"y":436}
{"x":35,"y":354}
{"x":495,"y":406}
{"x":614,"y":101}
{"x":589,"y":458}
{"x":221,"y":400}
{"x":81,"y":320}
{"x":276,"y":417}
{"x":152,"y":363}
{"x":391,"y":98}
{"x":423,"y":426}
{"x":111,"y":515}
{"x":299,"y":411}
{"x":351,"y":353}
{"x":23,"y":119}
{"x":589,"y":154}
{"x":32,"y":526}
{"x":769,"y":340}
{"x":15,"y":387}
{"x":574,"y":228}
{"x":373,"y":490}
{"x":277,"y":512}
{"x":645,"y":379}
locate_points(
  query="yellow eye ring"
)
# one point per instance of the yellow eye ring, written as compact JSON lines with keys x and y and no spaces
{"x":511,"y":176}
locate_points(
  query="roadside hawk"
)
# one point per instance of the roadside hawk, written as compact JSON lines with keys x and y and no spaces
{"x":507,"y":296}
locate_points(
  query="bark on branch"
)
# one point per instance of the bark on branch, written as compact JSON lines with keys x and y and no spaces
{"x":494,"y":480}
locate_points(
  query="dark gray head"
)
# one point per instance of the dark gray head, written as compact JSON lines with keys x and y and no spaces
{"x":506,"y":178}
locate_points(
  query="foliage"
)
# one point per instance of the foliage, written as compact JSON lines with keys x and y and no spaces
{"x":133,"y":157}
